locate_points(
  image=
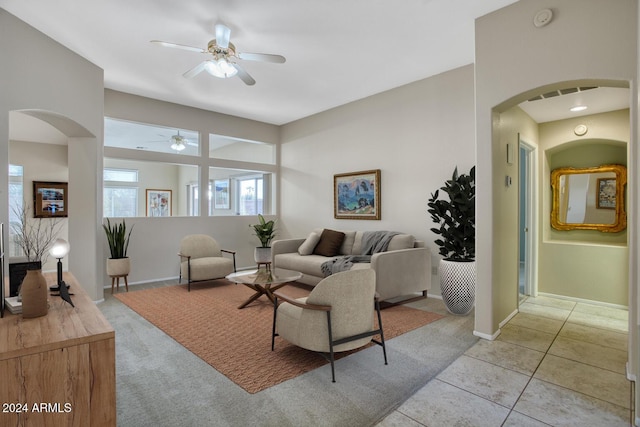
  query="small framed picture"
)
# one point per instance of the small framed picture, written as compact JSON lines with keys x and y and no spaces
{"x":158,"y":202}
{"x":357,"y":195}
{"x":221,"y":194}
{"x":606,"y":193}
{"x":50,"y":199}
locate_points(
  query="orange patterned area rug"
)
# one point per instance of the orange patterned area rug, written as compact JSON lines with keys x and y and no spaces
{"x":237,"y":343}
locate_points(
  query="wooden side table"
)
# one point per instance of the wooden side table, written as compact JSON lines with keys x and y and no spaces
{"x":115,"y":280}
{"x":267,"y":265}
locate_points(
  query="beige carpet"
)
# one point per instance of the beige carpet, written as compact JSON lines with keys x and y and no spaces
{"x":236,"y":342}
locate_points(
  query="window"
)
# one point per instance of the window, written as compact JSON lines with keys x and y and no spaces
{"x":140,"y":136}
{"x":239,"y":192}
{"x":225,"y":147}
{"x":120,"y":198}
{"x":250,"y":196}
{"x":16,"y":203}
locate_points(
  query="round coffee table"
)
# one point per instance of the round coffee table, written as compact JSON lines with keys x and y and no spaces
{"x":264,"y":281}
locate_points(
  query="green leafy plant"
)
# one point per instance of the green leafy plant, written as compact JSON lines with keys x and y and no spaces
{"x":265,"y":230}
{"x":456,"y":217}
{"x":118,"y":238}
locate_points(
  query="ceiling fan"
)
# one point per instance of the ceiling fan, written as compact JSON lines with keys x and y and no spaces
{"x":224,"y":56}
{"x":178,"y":142}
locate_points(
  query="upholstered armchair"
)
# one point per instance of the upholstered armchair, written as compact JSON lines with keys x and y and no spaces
{"x":202,"y":259}
{"x":338,"y":315}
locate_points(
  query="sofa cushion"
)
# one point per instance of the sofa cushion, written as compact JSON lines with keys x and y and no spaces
{"x":309,"y":265}
{"x":347,"y":244}
{"x":329,"y":244}
{"x":307,"y":247}
{"x":401,"y":241}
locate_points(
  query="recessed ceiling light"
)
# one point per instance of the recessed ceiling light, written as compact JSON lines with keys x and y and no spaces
{"x":578,"y":108}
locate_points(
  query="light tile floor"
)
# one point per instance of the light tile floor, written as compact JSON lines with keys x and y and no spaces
{"x":556,"y":363}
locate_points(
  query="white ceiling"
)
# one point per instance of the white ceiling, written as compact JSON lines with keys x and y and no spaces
{"x":337,"y":52}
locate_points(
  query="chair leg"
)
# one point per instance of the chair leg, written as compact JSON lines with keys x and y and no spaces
{"x":384,"y":347}
{"x":331,"y":358}
{"x":273,"y":329}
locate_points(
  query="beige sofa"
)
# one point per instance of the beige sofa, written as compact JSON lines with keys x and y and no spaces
{"x":404,"y":269}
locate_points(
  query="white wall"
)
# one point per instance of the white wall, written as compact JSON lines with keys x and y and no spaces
{"x":41,"y":162}
{"x":68,"y":93}
{"x":155,"y":241}
{"x":415,"y":134}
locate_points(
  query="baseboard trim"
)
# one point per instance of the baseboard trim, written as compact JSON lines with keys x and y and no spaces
{"x":586,"y":301}
{"x":486,"y":336}
{"x":509,"y":317}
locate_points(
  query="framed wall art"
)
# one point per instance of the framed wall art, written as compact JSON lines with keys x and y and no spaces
{"x":356,"y":195}
{"x":221,"y":194}
{"x":606,"y":193}
{"x":158,"y":202}
{"x":50,"y":199}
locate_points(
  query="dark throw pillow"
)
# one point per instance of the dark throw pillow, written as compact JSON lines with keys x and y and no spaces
{"x":329,"y":244}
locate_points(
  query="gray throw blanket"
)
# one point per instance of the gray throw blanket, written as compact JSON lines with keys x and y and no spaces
{"x":372,"y":243}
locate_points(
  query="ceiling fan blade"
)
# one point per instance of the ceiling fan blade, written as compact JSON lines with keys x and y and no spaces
{"x":178,"y":46}
{"x":223,"y":34}
{"x":195,"y":70}
{"x":263,"y":57}
{"x":244,"y":76}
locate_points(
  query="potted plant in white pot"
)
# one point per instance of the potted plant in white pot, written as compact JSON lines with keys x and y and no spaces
{"x":456,"y":220}
{"x":118,"y":264}
{"x":265,"y":231}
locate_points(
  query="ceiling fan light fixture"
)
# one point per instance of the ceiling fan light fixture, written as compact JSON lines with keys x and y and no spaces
{"x":220,"y":68}
{"x":178,"y":145}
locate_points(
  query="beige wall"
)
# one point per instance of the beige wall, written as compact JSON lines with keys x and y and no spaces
{"x":50,"y":164}
{"x":514,"y":125}
{"x":515,"y":60}
{"x":584,"y":264}
{"x":415,"y":134}
{"x":68,"y":93}
{"x":232,"y":232}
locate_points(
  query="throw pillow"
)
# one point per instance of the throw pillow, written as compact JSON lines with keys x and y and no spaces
{"x":307,"y":247}
{"x":329,"y":244}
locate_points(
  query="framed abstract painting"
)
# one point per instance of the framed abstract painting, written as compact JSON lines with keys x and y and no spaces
{"x":158,"y":202}
{"x":356,"y":195}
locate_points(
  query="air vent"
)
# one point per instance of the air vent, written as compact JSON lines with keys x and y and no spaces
{"x":560,"y":92}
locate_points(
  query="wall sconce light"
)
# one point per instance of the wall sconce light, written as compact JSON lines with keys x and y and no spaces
{"x":59,"y":250}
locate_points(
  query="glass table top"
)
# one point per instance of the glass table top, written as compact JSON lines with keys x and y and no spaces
{"x":265,"y":276}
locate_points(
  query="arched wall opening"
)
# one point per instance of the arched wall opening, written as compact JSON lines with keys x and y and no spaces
{"x":74,"y":161}
{"x":510,"y":124}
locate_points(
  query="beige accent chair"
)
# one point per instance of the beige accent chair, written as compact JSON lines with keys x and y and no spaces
{"x":201,"y":259}
{"x":336,"y":316}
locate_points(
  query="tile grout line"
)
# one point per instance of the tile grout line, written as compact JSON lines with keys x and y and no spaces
{"x":546,"y":353}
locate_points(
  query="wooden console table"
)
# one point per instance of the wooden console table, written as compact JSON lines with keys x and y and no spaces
{"x":58,"y":369}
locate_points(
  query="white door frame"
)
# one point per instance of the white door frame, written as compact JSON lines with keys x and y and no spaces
{"x":531,"y":218}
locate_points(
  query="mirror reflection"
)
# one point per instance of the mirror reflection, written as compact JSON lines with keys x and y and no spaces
{"x":589,"y":198}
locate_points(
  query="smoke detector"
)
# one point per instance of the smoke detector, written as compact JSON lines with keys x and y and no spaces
{"x":542,"y":18}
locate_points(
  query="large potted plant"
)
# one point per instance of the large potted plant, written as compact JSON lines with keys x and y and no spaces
{"x":118,"y":237}
{"x":265,"y":231}
{"x":456,"y":225}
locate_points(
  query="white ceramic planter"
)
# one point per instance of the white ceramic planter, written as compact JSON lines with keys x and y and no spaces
{"x":118,"y":266}
{"x":458,"y":285}
{"x":262,"y":255}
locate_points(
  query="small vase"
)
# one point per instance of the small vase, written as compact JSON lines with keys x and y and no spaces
{"x":34,"y":294}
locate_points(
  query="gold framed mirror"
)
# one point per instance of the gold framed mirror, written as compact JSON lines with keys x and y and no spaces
{"x":589,"y":198}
